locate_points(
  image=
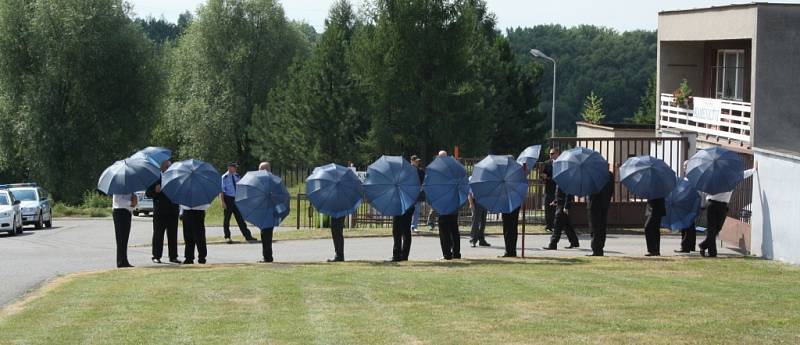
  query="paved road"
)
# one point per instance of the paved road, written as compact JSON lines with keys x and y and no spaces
{"x":77,"y":245}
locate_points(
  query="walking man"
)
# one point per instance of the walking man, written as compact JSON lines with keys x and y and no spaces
{"x":550,"y":190}
{"x":716,"y":212}
{"x":165,"y":219}
{"x":599,"y":204}
{"x":266,"y":233}
{"x":228,"y":199}
{"x":562,"y":204}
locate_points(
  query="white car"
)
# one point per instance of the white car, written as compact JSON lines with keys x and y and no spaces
{"x":35,"y":204}
{"x":10,"y":215}
{"x":144,"y":206}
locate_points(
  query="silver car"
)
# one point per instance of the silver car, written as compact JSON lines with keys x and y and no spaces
{"x":35,"y":204}
{"x":144,"y":206}
{"x":10,"y":215}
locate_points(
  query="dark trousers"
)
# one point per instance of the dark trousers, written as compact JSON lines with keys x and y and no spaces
{"x":230,"y":208}
{"x":337,"y":232}
{"x":652,"y":233}
{"x":688,"y":238}
{"x":478,"y":223}
{"x":549,"y":212}
{"x":563,"y":223}
{"x":165,"y":223}
{"x":716,"y":214}
{"x":122,"y":230}
{"x":449,"y":237}
{"x":266,"y":243}
{"x":599,"y":218}
{"x":401,"y":231}
{"x":510,"y":222}
{"x":194,"y":234}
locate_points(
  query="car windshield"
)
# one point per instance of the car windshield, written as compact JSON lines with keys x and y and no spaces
{"x":25,"y":194}
{"x":4,"y":199}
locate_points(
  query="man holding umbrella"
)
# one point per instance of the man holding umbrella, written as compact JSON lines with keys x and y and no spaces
{"x":416,"y":161}
{"x":716,"y":213}
{"x":599,"y":203}
{"x":550,"y":189}
{"x":562,"y":204}
{"x":165,"y":219}
{"x":228,"y":199}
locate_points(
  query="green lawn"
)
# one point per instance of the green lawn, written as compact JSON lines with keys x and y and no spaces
{"x":544,"y":300}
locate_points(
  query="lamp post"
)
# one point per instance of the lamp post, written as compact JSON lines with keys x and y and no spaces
{"x":538,"y":54}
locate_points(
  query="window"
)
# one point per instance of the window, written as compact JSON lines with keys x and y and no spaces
{"x":730,"y":74}
{"x":4,"y":200}
{"x":25,"y":194}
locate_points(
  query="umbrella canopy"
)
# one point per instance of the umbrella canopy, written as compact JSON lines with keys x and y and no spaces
{"x":392,"y":185}
{"x":156,"y":155}
{"x":499,"y":184}
{"x":530,"y":155}
{"x":334,"y":190}
{"x":580,"y":171}
{"x":683,"y":206}
{"x":647,"y":177}
{"x":191,"y":183}
{"x":128,"y":176}
{"x":261,"y":197}
{"x":715,"y":170}
{"x":446,"y":185}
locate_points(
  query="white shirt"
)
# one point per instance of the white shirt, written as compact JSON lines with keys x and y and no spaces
{"x":726,"y":196}
{"x":197,"y":208}
{"x":122,"y":201}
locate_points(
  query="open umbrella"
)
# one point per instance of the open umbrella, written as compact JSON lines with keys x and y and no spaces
{"x":647,"y":177}
{"x":334,"y":190}
{"x":715,"y":170}
{"x":260,"y":197}
{"x":156,"y":155}
{"x":580,"y":171}
{"x":530,"y":155}
{"x":128,"y":176}
{"x":499,"y":184}
{"x":446,"y":185}
{"x":683,"y":206}
{"x":392,"y":185}
{"x":191,"y":183}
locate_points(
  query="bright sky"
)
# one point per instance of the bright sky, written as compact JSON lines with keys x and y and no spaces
{"x":622,"y":15}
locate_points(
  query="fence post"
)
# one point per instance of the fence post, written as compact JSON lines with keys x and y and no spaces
{"x":299,"y":212}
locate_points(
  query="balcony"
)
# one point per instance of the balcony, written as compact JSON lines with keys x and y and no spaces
{"x":712,"y":119}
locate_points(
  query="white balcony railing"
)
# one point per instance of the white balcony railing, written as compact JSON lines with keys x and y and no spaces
{"x":722,"y":119}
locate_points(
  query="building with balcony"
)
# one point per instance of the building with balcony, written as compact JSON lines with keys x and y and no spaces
{"x":742,"y":63}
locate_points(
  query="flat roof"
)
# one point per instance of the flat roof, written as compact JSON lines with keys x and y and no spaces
{"x":727,"y":7}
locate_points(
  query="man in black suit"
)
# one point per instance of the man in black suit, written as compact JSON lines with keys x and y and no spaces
{"x":599,"y":204}
{"x":562,"y":205}
{"x":337,"y":233}
{"x":550,"y":190}
{"x":510,"y":223}
{"x":165,"y":219}
{"x":688,"y":239}
{"x":401,"y":231}
{"x":652,"y":226}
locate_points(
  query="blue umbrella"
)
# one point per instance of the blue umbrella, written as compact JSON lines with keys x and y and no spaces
{"x":156,"y":155}
{"x":683,"y":206}
{"x":446,"y":185}
{"x":499,"y":184}
{"x":392,"y":185}
{"x":580,"y":171}
{"x":530,"y":155}
{"x":647,"y":177}
{"x":715,"y":170}
{"x":260,"y":197}
{"x":128,"y":176}
{"x":334,"y":190}
{"x":191,"y":183}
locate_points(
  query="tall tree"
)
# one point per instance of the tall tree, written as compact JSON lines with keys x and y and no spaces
{"x":646,"y":114}
{"x":78,"y":85}
{"x":232,"y":55}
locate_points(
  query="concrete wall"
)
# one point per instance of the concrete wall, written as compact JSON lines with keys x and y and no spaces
{"x":776,"y":207}
{"x":776,"y":105}
{"x":736,"y":22}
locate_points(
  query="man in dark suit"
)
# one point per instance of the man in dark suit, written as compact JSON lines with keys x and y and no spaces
{"x":550,"y":190}
{"x":337,"y":233}
{"x":599,"y":204}
{"x":688,"y":239}
{"x":266,"y":233}
{"x":510,"y":223}
{"x":562,"y":205}
{"x":416,"y":161}
{"x":401,"y":231}
{"x":652,"y":226}
{"x":165,"y":219}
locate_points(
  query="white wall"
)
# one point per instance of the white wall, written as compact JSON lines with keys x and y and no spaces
{"x":776,"y":207}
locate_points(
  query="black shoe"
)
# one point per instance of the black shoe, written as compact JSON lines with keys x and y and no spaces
{"x":473,"y":242}
{"x":653,"y":254}
{"x":336,"y":259}
{"x":549,"y":248}
{"x":484,"y":244}
{"x":174,"y":261}
{"x":252,"y":240}
{"x":682,"y":251}
{"x":445,"y":258}
{"x":393,"y":259}
{"x":228,"y":240}
{"x":572,"y":246}
{"x":201,"y":261}
{"x":507,"y":255}
{"x":125,"y":265}
{"x":457,"y":256}
{"x":267,"y":260}
{"x":702,"y":251}
{"x":595,"y":254}
{"x":156,"y":261}
{"x":188,"y":262}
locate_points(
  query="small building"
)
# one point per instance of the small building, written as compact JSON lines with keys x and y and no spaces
{"x":741,"y":63}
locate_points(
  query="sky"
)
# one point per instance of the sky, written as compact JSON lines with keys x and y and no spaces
{"x":618,"y":14}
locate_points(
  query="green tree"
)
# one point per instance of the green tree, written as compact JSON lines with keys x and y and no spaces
{"x":78,"y":88}
{"x":646,"y":114}
{"x":221,"y":72}
{"x":593,"y":109}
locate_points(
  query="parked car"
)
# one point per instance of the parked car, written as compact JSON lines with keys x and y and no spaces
{"x":35,"y":204}
{"x":10,"y":214}
{"x":144,"y":206}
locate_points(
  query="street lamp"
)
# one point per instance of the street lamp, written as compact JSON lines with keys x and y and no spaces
{"x":538,"y":54}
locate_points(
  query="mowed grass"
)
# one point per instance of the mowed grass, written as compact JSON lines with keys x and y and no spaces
{"x":531,"y":301}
